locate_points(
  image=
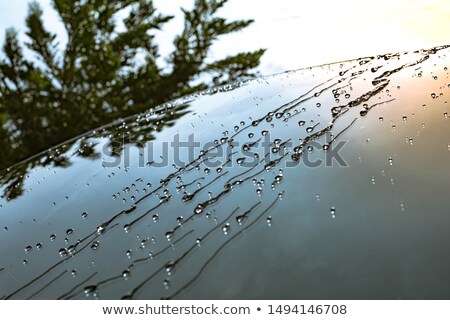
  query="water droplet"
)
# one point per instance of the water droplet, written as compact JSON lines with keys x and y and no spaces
{"x":84,"y":215}
{"x":101,"y":228}
{"x":69,"y":232}
{"x":240,"y":160}
{"x":381,"y":119}
{"x":94,"y":245}
{"x":89,"y":290}
{"x":25,"y":262}
{"x":28,"y":249}
{"x":155,"y":218}
{"x":53,"y":237}
{"x":405,"y":118}
{"x":169,"y":235}
{"x":143,"y":244}
{"x":335,"y":110}
{"x":301,"y":123}
{"x":129,"y":253}
{"x":258,"y":191}
{"x":309,"y":129}
{"x":38,"y":246}
{"x":163,"y":199}
{"x":199,"y":209}
{"x":169,"y":267}
{"x":239,"y":219}
{"x":180,"y":220}
{"x":63,"y":252}
{"x":269,"y":221}
{"x":126,"y":274}
{"x":264,"y":132}
{"x":166,"y":284}
{"x":226,"y":228}
{"x":333,"y":212}
{"x":74,"y":273}
{"x":318,"y":104}
{"x":391,"y":161}
{"x":71,"y":249}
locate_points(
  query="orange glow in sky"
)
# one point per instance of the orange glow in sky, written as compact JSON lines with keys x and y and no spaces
{"x":303,"y":33}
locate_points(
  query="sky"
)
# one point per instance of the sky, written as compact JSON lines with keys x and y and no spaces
{"x":296,"y":33}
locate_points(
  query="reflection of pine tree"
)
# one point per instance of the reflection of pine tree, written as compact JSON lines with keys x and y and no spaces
{"x":96,"y":79}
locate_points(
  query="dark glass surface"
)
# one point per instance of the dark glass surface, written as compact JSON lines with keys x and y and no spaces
{"x":122,"y":212}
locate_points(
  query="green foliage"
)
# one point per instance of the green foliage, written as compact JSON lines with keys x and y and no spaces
{"x":96,"y":78}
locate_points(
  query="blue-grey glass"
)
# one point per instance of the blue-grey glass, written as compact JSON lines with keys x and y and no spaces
{"x":327,"y":182}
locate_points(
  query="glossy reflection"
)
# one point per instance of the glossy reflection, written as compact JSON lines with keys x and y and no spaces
{"x":327,"y":182}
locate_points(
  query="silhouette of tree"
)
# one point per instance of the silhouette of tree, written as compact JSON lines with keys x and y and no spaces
{"x":104,"y":73}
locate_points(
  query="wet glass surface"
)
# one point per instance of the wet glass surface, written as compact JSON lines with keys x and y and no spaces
{"x":322,"y":183}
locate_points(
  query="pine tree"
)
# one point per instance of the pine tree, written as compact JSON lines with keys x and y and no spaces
{"x":97,"y":78}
